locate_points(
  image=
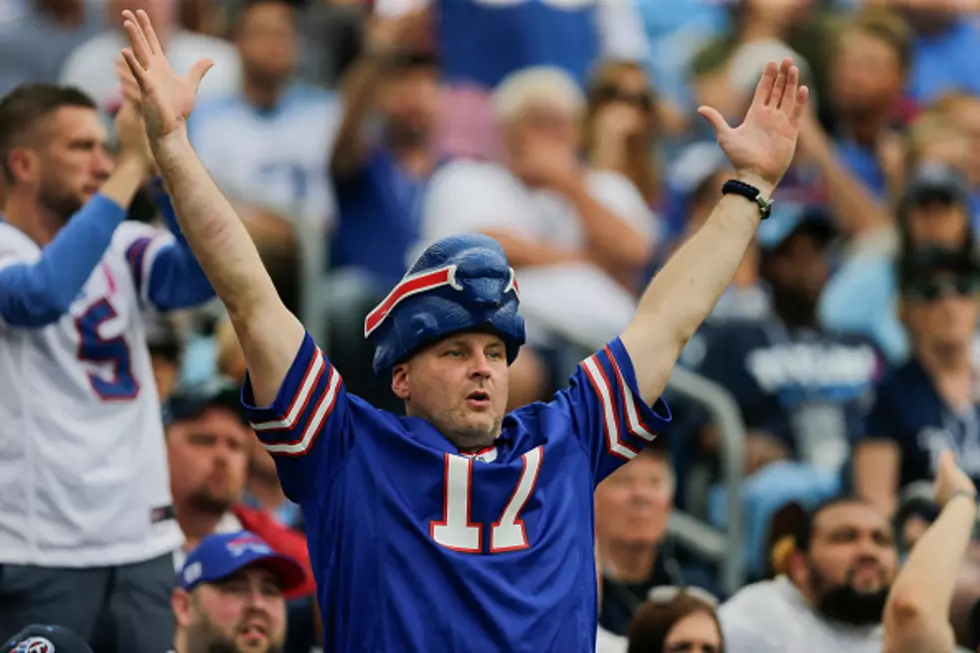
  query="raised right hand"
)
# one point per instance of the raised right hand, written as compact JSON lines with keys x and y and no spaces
{"x":950,"y":479}
{"x":544,"y":162}
{"x":617,"y":122}
{"x":168,"y":98}
{"x":392,"y":33}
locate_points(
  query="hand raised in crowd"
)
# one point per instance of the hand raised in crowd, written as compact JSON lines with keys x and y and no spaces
{"x":167,"y":98}
{"x":617,"y":122}
{"x":132,"y":104}
{"x":951,"y":480}
{"x":547,"y":162}
{"x":131,"y":133}
{"x":387,"y":34}
{"x":762,"y":147}
{"x":891,"y":150}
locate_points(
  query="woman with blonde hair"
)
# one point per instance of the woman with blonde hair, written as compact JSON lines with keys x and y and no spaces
{"x":622,"y":125}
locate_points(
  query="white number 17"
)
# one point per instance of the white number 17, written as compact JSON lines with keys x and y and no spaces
{"x":457,"y":532}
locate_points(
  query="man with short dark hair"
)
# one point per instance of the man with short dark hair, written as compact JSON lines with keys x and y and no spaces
{"x":207,"y":451}
{"x":86,"y":522}
{"x":833,"y":595}
{"x":208,"y":442}
{"x":281,"y":165}
{"x":381,"y":180}
{"x":231,"y":596}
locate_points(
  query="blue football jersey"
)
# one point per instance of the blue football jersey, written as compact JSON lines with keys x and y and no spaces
{"x":417,"y":547}
{"x":482,"y":41}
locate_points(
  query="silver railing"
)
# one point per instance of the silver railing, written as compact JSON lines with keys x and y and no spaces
{"x":726,"y":547}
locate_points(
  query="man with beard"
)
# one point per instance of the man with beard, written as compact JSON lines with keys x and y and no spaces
{"x":231,"y":597}
{"x":288,"y":126}
{"x":380,"y":177}
{"x":833,"y":595}
{"x":208,"y":443}
{"x":381,"y":180}
{"x":87,"y":529}
{"x":803,"y":391}
{"x":207,"y":449}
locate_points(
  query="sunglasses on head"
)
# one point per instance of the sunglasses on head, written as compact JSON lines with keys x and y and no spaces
{"x":936,"y":288}
{"x":664,"y":594}
{"x":610,"y":93}
{"x":691,"y":647}
{"x":667,"y":594}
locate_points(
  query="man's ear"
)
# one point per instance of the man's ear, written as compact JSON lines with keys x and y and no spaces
{"x":399,"y":381}
{"x":22,"y":163}
{"x":180,"y":601}
{"x":798,"y":569}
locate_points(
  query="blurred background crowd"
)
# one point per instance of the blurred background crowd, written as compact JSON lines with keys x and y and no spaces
{"x":841,"y":362}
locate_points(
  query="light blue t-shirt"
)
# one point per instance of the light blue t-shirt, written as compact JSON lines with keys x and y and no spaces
{"x":860,"y":298}
{"x":946,"y":62}
{"x":677,"y":31}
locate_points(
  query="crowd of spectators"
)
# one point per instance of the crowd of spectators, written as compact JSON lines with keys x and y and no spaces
{"x":352,"y":133}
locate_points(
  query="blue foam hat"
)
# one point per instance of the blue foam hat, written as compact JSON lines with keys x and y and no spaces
{"x":459,"y":283}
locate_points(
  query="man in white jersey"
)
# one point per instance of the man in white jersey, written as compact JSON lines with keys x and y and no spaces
{"x":87,"y":532}
{"x":291,"y":126}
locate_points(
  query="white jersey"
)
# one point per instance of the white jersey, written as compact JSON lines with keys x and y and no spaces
{"x":83,"y":465}
{"x":276,"y":159}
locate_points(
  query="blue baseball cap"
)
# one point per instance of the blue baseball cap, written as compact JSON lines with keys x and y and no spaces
{"x":46,"y":639}
{"x":221,"y":555}
{"x":790,"y":217}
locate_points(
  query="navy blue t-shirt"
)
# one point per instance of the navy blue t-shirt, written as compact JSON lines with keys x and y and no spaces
{"x":909,"y":411}
{"x":380,"y":214}
{"x":809,"y":388}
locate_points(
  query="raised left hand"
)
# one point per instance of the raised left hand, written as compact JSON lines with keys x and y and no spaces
{"x":548,"y":163}
{"x":167,"y":98}
{"x":762,"y":147}
{"x":617,"y":122}
{"x":132,"y":102}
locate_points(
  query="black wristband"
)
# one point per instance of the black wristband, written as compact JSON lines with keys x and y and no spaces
{"x":736,"y":187}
